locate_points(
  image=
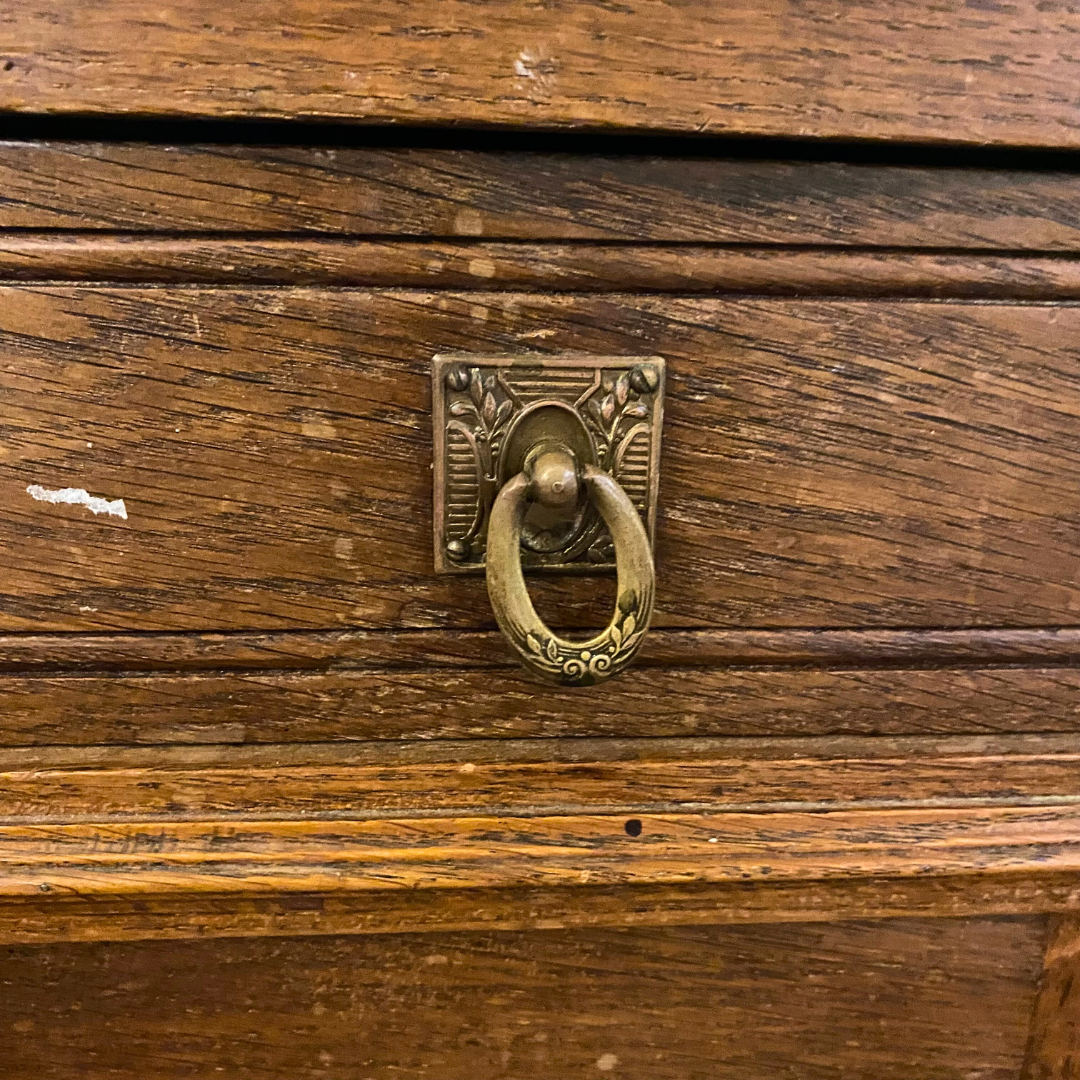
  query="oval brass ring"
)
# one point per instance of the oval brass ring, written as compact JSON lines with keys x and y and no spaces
{"x":543,"y":652}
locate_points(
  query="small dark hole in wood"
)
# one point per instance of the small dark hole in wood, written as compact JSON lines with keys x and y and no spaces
{"x":633,"y":827}
{"x":9,"y":65}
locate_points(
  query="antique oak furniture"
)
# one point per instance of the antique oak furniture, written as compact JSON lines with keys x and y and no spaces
{"x":335,"y":336}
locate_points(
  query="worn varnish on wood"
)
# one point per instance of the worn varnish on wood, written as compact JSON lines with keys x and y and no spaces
{"x":273,"y":707}
{"x":865,"y":999}
{"x":1053,"y":1048}
{"x":275,"y":858}
{"x":236,"y":703}
{"x":899,"y":69}
{"x":247,"y":709}
{"x":824,"y":463}
{"x":383,"y":837}
{"x":484,"y":266}
{"x":529,"y":778}
{"x":636,"y":197}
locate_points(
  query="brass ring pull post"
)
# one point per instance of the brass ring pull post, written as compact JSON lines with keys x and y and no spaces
{"x":552,"y":476}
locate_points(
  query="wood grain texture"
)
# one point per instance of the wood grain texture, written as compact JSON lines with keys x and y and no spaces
{"x":598,"y":267}
{"x":217,"y":877}
{"x":819,"y":1002}
{"x":158,"y":842}
{"x":1054,"y":1043}
{"x":281,"y":707}
{"x":829,"y":465}
{"x":241,"y":857}
{"x":630,"y":777}
{"x":539,"y":196}
{"x":335,"y":650}
{"x":824,"y":463}
{"x":178,"y":916}
{"x":577,"y":750}
{"x":903,"y":69}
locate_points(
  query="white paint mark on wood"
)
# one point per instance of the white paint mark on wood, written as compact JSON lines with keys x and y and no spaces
{"x":606,"y":1062}
{"x":539,"y":72}
{"x":79,"y":497}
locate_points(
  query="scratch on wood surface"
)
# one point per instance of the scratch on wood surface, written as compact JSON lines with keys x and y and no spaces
{"x":79,"y":497}
{"x":539,"y":71}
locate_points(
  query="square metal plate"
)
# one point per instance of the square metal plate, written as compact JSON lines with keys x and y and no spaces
{"x":483,"y":407}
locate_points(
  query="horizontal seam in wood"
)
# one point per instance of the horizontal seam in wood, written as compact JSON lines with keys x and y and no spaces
{"x":606,"y":809}
{"x":1048,"y":661}
{"x":388,"y":240}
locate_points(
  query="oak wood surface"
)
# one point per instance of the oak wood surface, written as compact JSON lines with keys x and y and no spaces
{"x":576,"y":750}
{"x":184,"y":915}
{"x":685,"y":269}
{"x":539,"y":196}
{"x":1054,"y":1041}
{"x":149,"y":842}
{"x":159,"y":842}
{"x":903,"y":469}
{"x":281,"y":707}
{"x":473,"y":650}
{"x":241,"y":857}
{"x":163,"y":783}
{"x":571,"y":776}
{"x":899,"y":69}
{"x":825,"y":463}
{"x":860,"y":1000}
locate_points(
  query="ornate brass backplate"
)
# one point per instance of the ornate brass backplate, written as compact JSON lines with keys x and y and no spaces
{"x":491,"y":411}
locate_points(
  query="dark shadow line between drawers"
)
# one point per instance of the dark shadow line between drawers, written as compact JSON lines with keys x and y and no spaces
{"x":164,"y":130}
{"x":890,"y":295}
{"x":318,"y":238}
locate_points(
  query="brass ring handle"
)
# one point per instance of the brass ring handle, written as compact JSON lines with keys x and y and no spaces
{"x":551,"y":476}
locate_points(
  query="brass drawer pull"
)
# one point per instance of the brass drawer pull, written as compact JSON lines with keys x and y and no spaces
{"x":553,"y":478}
{"x":550,"y":464}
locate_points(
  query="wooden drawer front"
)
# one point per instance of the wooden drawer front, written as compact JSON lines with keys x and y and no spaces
{"x":237,"y":700}
{"x":191,"y":192}
{"x":944,"y":999}
{"x":824,"y":462}
{"x":906,"y":69}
